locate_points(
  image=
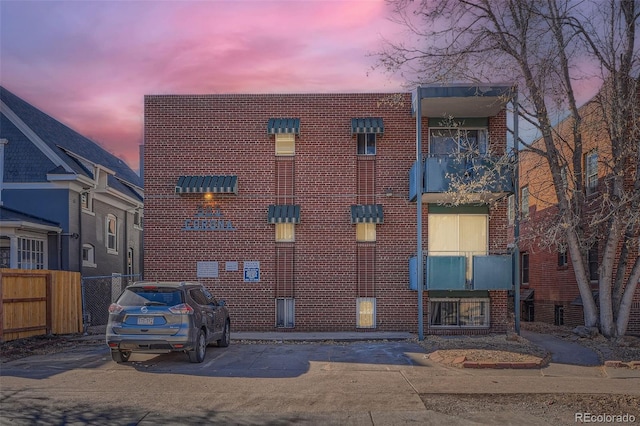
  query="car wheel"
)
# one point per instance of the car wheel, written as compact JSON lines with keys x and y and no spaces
{"x":200,"y":349}
{"x":226,"y":335}
{"x":120,"y":356}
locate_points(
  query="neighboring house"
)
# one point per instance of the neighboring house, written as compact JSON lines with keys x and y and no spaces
{"x":66,"y":203}
{"x":297,"y":209}
{"x":549,"y":291}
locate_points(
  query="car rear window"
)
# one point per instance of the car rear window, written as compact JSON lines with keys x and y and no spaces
{"x":159,"y":296}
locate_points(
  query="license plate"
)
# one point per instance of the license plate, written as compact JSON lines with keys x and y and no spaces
{"x":145,"y":320}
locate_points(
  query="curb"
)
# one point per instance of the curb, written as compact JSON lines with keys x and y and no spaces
{"x":461,"y":362}
{"x":621,"y":364}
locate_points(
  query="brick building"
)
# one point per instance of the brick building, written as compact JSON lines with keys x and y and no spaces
{"x":549,"y":291}
{"x":297,"y":209}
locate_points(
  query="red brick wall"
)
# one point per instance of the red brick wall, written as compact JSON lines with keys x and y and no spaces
{"x":555,"y":285}
{"x":226,"y":135}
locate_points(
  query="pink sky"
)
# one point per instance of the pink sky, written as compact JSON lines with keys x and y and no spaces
{"x":89,"y":64}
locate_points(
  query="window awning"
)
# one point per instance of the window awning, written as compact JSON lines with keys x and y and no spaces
{"x":284,"y":213}
{"x":367,"y":125}
{"x":526,"y":295}
{"x":367,"y":213}
{"x":200,"y":184}
{"x":283,"y":125}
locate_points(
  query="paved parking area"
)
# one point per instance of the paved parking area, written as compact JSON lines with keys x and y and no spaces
{"x":368,"y":383}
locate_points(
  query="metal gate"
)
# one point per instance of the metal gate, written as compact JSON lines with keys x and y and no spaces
{"x":97,"y":294}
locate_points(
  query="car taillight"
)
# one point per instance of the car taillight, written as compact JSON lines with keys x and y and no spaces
{"x":114,"y":308}
{"x":183,"y":309}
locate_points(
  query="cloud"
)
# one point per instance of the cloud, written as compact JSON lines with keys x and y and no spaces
{"x":89,"y":64}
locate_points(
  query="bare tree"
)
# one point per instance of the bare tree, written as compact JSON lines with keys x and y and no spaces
{"x":548,"y":48}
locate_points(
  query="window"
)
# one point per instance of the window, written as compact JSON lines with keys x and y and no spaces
{"x":591,"y":172}
{"x":130,"y":261}
{"x":459,"y":313}
{"x":112,"y":237}
{"x":524,"y":201}
{"x":285,"y":232}
{"x":524,"y":268}
{"x":137,"y":219}
{"x":558,"y":315}
{"x":564,"y":178}
{"x":85,"y":201}
{"x":562,"y":258}
{"x":366,"y":144}
{"x":88,"y":255}
{"x":511,"y":209}
{"x":454,"y":141}
{"x":366,"y":312}
{"x":365,"y":232}
{"x":30,"y":254}
{"x":285,"y":312}
{"x":285,"y":144}
{"x":458,"y":235}
{"x":593,"y":263}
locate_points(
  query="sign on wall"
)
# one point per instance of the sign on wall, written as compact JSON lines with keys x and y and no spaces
{"x":207,"y":269}
{"x":251,"y":271}
{"x":208,"y":218}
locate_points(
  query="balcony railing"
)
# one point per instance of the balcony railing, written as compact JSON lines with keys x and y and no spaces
{"x":484,"y":178}
{"x":463,"y":272}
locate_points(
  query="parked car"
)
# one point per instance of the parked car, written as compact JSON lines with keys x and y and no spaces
{"x":162,"y":317}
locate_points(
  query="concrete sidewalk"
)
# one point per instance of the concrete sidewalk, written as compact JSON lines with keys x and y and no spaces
{"x":346,"y":336}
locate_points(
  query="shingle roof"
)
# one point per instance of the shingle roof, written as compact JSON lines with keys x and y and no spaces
{"x":29,"y":164}
{"x":7,"y":214}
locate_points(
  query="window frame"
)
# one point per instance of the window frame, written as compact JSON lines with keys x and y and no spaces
{"x":486,"y":316}
{"x":86,"y":202}
{"x":109,"y":236}
{"x":369,"y":316}
{"x":289,"y":314}
{"x":511,"y":209}
{"x":563,"y":258}
{"x":366,"y":144}
{"x":366,"y":232}
{"x":90,"y":260}
{"x":591,"y":172}
{"x":285,"y":232}
{"x":482,"y":143}
{"x":525,"y":271}
{"x":524,"y":201}
{"x":285,"y":144}
{"x":32,"y":253}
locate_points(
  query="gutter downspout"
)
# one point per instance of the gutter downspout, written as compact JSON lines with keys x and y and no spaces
{"x":420,"y":260}
{"x":516,"y":223}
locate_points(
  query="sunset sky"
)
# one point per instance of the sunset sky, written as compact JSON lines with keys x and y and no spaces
{"x":90,"y":63}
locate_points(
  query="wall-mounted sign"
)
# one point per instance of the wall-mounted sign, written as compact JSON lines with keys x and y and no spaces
{"x":208,"y":218}
{"x":251,"y":272}
{"x":207,"y":269}
{"x":231,"y":266}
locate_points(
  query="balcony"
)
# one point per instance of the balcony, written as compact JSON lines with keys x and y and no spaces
{"x":468,"y":180}
{"x":464,"y":271}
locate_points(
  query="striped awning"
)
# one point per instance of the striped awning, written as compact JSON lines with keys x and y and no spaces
{"x":367,"y":213}
{"x":367,"y":125}
{"x":284,"y":213}
{"x":201,"y":184}
{"x":283,"y":125}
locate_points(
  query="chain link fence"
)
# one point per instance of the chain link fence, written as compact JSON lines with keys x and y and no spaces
{"x":97,"y":294}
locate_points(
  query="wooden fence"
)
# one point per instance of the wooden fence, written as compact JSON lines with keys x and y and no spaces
{"x":39,"y":302}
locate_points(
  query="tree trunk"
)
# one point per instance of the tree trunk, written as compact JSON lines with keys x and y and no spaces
{"x":588,"y":303}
